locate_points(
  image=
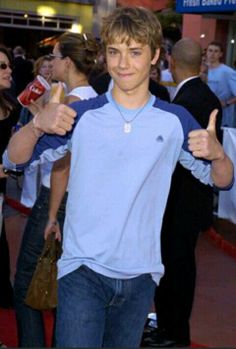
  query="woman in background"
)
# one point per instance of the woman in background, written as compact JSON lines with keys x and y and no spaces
{"x":31,"y":183}
{"x":8,"y":118}
{"x":73,"y":58}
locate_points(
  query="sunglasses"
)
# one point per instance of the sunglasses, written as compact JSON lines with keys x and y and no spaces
{"x":52,"y":55}
{"x":4,"y":66}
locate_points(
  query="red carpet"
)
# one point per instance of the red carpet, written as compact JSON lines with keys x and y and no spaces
{"x":8,"y":333}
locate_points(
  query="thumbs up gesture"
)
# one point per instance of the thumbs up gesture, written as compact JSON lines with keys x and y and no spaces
{"x":55,"y":117}
{"x":204,"y":143}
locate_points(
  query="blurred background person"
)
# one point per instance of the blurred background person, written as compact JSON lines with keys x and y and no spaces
{"x":222,"y":81}
{"x":31,"y":182}
{"x":73,"y":58}
{"x":8,"y":117}
{"x":22,"y":72}
{"x":189,"y":208}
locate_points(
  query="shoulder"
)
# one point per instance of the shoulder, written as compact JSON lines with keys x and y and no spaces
{"x":223,"y":69}
{"x":227,"y":68}
{"x":199,"y":91}
{"x":85,"y":105}
{"x":178,"y":112}
{"x":83,"y":92}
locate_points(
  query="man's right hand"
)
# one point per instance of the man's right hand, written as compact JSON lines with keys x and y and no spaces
{"x":55,"y":117}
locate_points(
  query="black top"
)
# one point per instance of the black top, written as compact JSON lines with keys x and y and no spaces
{"x":6,"y":126}
{"x":22,"y":73}
{"x":189,"y":199}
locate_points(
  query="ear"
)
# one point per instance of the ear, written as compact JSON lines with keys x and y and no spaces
{"x":68,"y":61}
{"x":172,"y":64}
{"x":156,"y":56}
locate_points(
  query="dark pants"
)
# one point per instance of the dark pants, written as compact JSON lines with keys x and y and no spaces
{"x":98,"y":311}
{"x":6,"y":291}
{"x":29,"y":321}
{"x":175,"y":294}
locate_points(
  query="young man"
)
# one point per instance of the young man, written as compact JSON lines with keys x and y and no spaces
{"x":124,"y":147}
{"x":222,"y":81}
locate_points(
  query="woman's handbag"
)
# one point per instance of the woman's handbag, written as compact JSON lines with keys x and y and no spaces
{"x":42,"y":292}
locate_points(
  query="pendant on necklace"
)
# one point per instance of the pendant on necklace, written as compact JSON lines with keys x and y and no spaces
{"x":127,"y":127}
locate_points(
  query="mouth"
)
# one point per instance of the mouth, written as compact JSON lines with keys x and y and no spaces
{"x":7,"y":78}
{"x":124,"y":75}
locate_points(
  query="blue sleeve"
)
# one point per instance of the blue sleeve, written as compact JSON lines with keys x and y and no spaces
{"x":48,"y":149}
{"x":232,"y":82}
{"x":51,"y":147}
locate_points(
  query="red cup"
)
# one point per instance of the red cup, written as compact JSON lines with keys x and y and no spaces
{"x":33,"y":90}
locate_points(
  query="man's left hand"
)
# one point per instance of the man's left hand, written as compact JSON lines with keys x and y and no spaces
{"x":204,"y":143}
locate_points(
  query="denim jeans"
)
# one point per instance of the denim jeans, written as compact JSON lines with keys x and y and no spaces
{"x":30,"y":324}
{"x":98,"y":311}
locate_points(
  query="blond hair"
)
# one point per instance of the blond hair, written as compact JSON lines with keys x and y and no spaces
{"x":132,"y":23}
{"x":39,"y":62}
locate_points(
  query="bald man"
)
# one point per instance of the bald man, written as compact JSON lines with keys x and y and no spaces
{"x":189,"y":209}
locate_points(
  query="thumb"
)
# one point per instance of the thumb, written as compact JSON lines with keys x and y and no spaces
{"x":212,"y":121}
{"x":57,"y":93}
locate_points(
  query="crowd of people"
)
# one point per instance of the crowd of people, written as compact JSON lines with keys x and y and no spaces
{"x":121,"y":153}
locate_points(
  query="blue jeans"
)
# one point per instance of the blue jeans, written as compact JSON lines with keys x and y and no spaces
{"x":98,"y":311}
{"x":30,"y":324}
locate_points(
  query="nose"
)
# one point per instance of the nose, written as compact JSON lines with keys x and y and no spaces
{"x":124,"y":61}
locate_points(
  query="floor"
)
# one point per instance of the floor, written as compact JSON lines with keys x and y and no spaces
{"x":213,"y":321}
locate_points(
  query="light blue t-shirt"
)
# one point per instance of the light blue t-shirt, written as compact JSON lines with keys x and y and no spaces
{"x":222,"y":81}
{"x":119,"y":183}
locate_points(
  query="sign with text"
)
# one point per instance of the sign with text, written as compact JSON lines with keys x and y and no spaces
{"x":201,"y":6}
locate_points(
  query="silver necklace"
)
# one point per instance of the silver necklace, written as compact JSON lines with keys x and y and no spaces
{"x":127,"y":128}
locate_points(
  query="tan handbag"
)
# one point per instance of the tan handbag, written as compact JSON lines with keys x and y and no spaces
{"x":42,"y":292}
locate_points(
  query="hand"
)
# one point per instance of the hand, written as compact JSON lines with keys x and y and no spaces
{"x":2,"y":174}
{"x":55,"y":117}
{"x":204,"y":143}
{"x":35,"y":106}
{"x":52,"y":227}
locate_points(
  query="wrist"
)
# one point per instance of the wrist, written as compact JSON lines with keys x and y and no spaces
{"x":52,"y":220}
{"x":221,"y":156}
{"x":36,"y":129}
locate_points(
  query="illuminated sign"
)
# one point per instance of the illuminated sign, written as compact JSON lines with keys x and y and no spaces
{"x":202,"y":6}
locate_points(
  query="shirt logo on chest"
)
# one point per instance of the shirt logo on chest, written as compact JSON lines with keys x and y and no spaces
{"x":159,"y":139}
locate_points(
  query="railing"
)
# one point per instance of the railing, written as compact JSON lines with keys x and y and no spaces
{"x":19,"y":19}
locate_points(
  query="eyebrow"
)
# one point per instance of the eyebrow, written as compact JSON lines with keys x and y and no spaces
{"x":129,"y":48}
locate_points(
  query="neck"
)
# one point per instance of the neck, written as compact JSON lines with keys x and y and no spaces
{"x":130,"y":99}
{"x":180,"y":76}
{"x":77,"y":82}
{"x":214,"y":65}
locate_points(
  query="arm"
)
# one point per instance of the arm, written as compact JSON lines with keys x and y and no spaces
{"x":204,"y":144}
{"x":231,"y":82}
{"x":53,"y":118}
{"x":2,"y":174}
{"x":59,"y":181}
{"x":22,"y":143}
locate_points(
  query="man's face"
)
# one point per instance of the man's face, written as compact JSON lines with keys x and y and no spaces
{"x":213,"y":54}
{"x":129,"y":65}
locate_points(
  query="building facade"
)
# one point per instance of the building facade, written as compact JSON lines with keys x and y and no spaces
{"x":208,"y":20}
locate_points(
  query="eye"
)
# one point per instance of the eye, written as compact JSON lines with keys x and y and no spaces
{"x":112,"y":52}
{"x":136,"y":53}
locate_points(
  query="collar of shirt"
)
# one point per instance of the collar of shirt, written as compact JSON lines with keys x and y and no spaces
{"x":182,"y":83}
